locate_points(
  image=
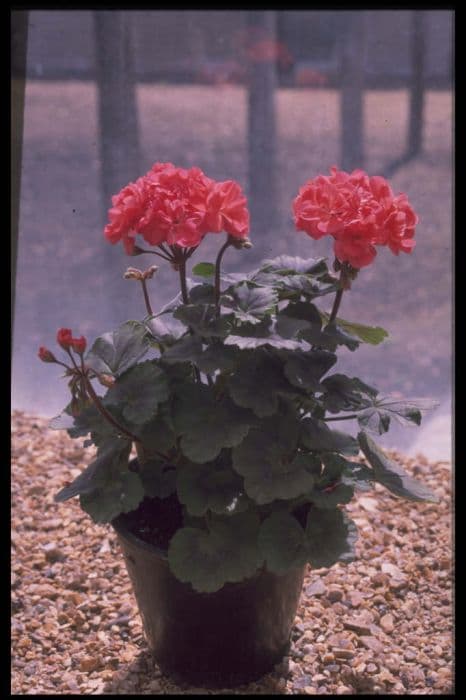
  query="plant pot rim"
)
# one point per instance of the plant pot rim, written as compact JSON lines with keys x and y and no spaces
{"x":122,"y":529}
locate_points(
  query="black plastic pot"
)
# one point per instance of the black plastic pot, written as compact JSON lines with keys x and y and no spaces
{"x":220,"y":639}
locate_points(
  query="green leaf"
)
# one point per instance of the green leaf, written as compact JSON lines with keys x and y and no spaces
{"x":334,"y":335}
{"x":122,"y":493}
{"x":257,"y":384}
{"x":344,"y":393}
{"x":318,"y":437}
{"x":227,"y":553}
{"x":157,"y":436}
{"x":332,"y":496}
{"x":377,"y":417}
{"x":249,"y":302}
{"x":339,"y":469}
{"x":113,"y":454}
{"x":186,"y":349}
{"x":203,"y":319}
{"x":206,"y":425}
{"x":293,"y":277}
{"x":161,"y":332}
{"x":272,"y":340}
{"x":268,"y":460}
{"x":392,"y":476}
{"x":297,"y":317}
{"x":305,"y":370}
{"x":140,"y":391}
{"x":282,"y":542}
{"x":203,"y":487}
{"x":217,"y":356}
{"x":204,"y":269}
{"x":107,"y":487}
{"x":287,"y":264}
{"x":158,"y":478}
{"x":330,"y":537}
{"x":368,"y":334}
{"x":114,"y":353}
{"x":202,"y":294}
{"x":190,"y":349}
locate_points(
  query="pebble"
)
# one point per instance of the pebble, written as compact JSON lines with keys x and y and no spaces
{"x":90,"y":663}
{"x":373,"y":644}
{"x":343,"y":653}
{"x":386,"y":622}
{"x":334,"y":594}
{"x":355,"y":598}
{"x":89,"y":604}
{"x":317,"y":588}
{"x":380,"y":579}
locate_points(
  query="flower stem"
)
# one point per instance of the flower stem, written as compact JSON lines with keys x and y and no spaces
{"x":98,"y":404}
{"x":336,"y":306}
{"x":146,"y":297}
{"x":181,"y":262}
{"x":218,"y":261}
{"x":154,"y":252}
{"x":350,"y":417}
{"x":343,"y":284}
{"x":182,"y":270}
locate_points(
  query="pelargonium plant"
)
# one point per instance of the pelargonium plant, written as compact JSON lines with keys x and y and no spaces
{"x":228,"y":393}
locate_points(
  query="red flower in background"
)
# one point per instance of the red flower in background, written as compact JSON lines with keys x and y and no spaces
{"x":64,"y":338}
{"x":45,"y":355}
{"x":359,"y":212}
{"x":176,"y":206}
{"x":79,"y":344}
{"x":66,"y":341}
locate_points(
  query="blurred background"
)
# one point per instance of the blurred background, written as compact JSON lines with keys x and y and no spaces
{"x":269,"y":98}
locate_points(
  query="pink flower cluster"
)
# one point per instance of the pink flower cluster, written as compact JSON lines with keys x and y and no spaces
{"x":359,"y":211}
{"x":176,"y":206}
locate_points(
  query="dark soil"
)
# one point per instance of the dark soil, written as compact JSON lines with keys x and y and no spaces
{"x":155,"y":520}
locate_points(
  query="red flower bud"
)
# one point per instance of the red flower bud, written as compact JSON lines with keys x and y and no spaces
{"x":45,"y":355}
{"x":64,"y":338}
{"x":79,"y":344}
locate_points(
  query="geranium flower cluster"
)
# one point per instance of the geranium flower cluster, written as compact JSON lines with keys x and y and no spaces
{"x":359,"y":211}
{"x":178,"y":207}
{"x":66,"y":341}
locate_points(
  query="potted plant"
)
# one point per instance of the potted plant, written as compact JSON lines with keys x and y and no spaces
{"x":228,"y":395}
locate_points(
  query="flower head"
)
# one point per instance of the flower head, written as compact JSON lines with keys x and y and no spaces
{"x":176,"y":206}
{"x":45,"y":355}
{"x":79,"y":345}
{"x":64,"y":338}
{"x":67,"y":342}
{"x":358,"y":211}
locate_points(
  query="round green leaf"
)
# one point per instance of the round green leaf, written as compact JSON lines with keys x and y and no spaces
{"x":139,"y":390}
{"x":203,"y":487}
{"x":282,"y":542}
{"x":228,"y":552}
{"x":204,"y":269}
{"x":330,"y":537}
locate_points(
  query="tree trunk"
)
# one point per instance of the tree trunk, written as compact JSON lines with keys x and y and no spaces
{"x":261,"y":128}
{"x":19,"y":33}
{"x":352,"y":56}
{"x":118,"y":122}
{"x":416,"y":106}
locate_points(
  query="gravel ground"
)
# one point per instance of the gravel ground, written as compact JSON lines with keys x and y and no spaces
{"x":382,"y":624}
